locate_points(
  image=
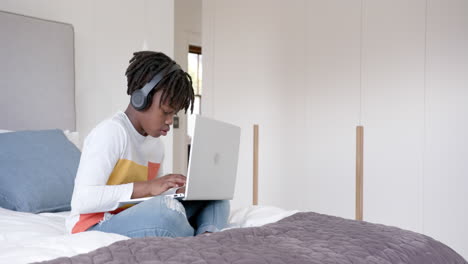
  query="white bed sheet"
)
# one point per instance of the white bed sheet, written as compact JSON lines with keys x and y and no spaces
{"x":26,"y":237}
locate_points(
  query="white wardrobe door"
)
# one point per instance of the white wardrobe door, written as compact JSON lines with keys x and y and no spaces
{"x":393,"y":111}
{"x":293,"y":68}
{"x":446,"y":150}
{"x":332,"y":108}
{"x":253,"y":51}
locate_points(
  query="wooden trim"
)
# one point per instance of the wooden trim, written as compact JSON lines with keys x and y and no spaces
{"x":255,"y":165}
{"x":359,"y":172}
{"x":195,"y":49}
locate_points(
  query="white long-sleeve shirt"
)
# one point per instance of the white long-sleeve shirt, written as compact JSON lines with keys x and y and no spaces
{"x":114,"y":156}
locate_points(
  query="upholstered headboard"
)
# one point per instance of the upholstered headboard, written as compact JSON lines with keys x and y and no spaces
{"x":37,"y":73}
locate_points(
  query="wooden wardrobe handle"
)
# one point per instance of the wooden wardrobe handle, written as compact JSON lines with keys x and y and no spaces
{"x":359,"y":171}
{"x":255,"y":165}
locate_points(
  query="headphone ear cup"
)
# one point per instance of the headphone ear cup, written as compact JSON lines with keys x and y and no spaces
{"x":139,"y":100}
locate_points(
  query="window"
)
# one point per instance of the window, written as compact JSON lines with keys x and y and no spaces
{"x":195,"y":71}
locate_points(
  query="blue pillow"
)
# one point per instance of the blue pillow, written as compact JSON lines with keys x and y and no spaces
{"x":37,"y":171}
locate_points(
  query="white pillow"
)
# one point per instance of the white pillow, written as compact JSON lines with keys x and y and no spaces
{"x":74,"y":136}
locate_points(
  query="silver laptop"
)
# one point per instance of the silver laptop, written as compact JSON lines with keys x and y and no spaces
{"x":212,"y":168}
{"x":214,"y":154}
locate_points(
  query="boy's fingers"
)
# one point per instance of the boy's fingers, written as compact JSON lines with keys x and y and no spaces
{"x":178,"y":182}
{"x":175,"y":176}
{"x":170,"y":184}
{"x":178,"y":177}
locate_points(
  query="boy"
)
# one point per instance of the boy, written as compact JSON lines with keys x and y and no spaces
{"x":122,"y":158}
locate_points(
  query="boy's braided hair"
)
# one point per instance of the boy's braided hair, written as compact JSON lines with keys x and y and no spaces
{"x":176,"y":87}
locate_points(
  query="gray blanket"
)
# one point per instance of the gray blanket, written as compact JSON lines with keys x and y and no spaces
{"x":300,"y":238}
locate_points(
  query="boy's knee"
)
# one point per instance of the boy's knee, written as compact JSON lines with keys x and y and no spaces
{"x":168,"y":217}
{"x":163,"y":208}
{"x":173,"y":205}
{"x":166,"y":203}
{"x":175,"y":215}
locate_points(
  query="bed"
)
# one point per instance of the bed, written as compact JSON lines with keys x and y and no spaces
{"x":257,"y":234}
{"x":28,"y":237}
{"x":39,"y":155}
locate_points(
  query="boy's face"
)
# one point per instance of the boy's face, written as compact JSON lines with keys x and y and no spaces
{"x":157,"y":119}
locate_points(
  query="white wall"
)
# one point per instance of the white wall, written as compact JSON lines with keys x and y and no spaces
{"x":107,"y":32}
{"x":309,"y":71}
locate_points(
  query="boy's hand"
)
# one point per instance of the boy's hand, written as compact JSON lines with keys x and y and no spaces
{"x":181,"y":190}
{"x":162,"y":184}
{"x":157,"y":185}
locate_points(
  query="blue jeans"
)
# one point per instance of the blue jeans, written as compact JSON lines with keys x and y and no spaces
{"x":165,"y":216}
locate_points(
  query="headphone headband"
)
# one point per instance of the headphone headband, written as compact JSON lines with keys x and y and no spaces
{"x":157,"y":78}
{"x":139,"y":98}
